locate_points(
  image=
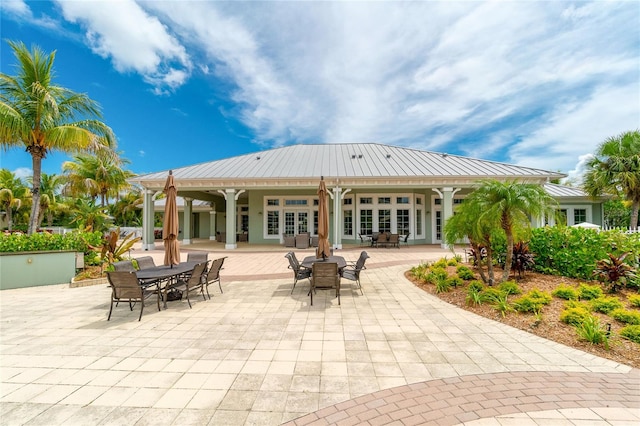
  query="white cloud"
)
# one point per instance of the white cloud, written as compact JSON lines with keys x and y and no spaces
{"x":133,"y":39}
{"x":23,"y":172}
{"x":18,"y":8}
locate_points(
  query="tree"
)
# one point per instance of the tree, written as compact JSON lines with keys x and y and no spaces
{"x":87,"y":216}
{"x":505,"y":206}
{"x":11,"y":192}
{"x":96,"y":176}
{"x":615,"y":169}
{"x":43,"y":117}
{"x":50,"y":185}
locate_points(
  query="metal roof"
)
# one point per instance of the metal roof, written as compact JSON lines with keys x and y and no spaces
{"x":556,"y":190}
{"x":346,"y":161}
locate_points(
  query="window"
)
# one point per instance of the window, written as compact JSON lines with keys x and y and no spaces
{"x":348,"y":222}
{"x":384,"y":220}
{"x":366,"y":222}
{"x":419,"y":222}
{"x":295,"y":202}
{"x":419,"y":201}
{"x":402,"y":200}
{"x":579,"y":216}
{"x":347,"y":202}
{"x":437,"y":201}
{"x":402,"y":217}
{"x":273,"y":223}
{"x":315,"y":222}
{"x":273,"y":202}
{"x":290,"y":223}
{"x":384,"y":200}
{"x":366,"y":200}
{"x":438,"y":225}
{"x":303,"y":225}
{"x":562,"y":217}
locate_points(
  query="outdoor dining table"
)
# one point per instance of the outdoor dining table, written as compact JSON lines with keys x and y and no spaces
{"x":308,"y":261}
{"x":164,"y":273}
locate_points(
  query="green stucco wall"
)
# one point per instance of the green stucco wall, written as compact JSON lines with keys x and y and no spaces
{"x":30,"y":269}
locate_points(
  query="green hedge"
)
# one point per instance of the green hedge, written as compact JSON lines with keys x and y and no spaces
{"x":573,"y":252}
{"x":77,"y":241}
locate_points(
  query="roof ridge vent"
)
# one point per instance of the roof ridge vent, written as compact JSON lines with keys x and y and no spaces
{"x":388,"y":155}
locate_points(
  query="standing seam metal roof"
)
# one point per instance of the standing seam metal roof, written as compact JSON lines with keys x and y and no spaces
{"x":366,"y":160}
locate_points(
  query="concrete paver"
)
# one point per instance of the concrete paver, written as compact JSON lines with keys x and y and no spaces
{"x":259,"y":354}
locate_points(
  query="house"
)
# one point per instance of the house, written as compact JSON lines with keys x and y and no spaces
{"x":373,"y":187}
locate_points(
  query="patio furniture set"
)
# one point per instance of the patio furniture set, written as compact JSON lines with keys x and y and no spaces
{"x":302,"y":241}
{"x":132,"y":285}
{"x":326,"y":273}
{"x":384,"y":239}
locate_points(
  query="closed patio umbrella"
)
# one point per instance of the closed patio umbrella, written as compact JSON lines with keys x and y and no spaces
{"x":323,"y":250}
{"x":170,"y":224}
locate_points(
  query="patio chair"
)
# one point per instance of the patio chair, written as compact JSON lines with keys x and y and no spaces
{"x":198,"y":257}
{"x":213,"y":275}
{"x":299,"y":272}
{"x":352,"y":271}
{"x":123,"y":266}
{"x":302,"y":240}
{"x":126,"y":288}
{"x":405,"y":239}
{"x":325,"y":276}
{"x":382,"y":240}
{"x":191,"y":283}
{"x":145,"y":262}
{"x":393,"y":241}
{"x":289,"y":240}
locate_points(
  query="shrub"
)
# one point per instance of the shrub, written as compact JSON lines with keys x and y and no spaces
{"x":591,"y":331}
{"x":631,"y":332}
{"x":565,"y":292}
{"x":606,"y":304}
{"x":588,"y":292}
{"x":509,"y":287}
{"x":465,"y":272}
{"x":614,"y":271}
{"x":441,"y":263}
{"x":533,"y":301}
{"x":634,"y":300}
{"x":476,"y":284}
{"x":435,"y":275}
{"x":574,"y":316}
{"x":502,"y":304}
{"x":452,"y":262}
{"x":576,"y":304}
{"x":491,"y":295}
{"x":522,"y":259}
{"x":455,"y":281}
{"x":442,"y":285}
{"x":625,"y":316}
{"x":474,"y":296}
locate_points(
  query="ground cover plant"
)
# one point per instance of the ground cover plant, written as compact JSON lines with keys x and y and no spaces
{"x":562,"y":309}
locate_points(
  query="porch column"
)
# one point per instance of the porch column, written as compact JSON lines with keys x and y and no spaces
{"x":231,"y":196}
{"x":186,"y":229}
{"x":447,"y":208}
{"x":337,"y":216}
{"x":212,"y":223}
{"x":148,"y":237}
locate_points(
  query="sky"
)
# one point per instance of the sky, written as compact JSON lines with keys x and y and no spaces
{"x":534,"y":83}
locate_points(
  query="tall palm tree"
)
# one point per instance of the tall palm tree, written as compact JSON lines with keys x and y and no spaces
{"x":50,"y":186}
{"x":11,"y":192}
{"x":96,"y":176}
{"x":513,"y":203}
{"x":43,"y":117}
{"x":615,"y":169}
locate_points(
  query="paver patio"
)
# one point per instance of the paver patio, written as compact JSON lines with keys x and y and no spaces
{"x":258,"y":354}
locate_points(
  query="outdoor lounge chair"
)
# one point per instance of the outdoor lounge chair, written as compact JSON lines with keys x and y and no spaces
{"x":393,"y":241}
{"x":145,"y":262}
{"x":126,"y":288}
{"x":325,"y":276}
{"x":213,"y":275}
{"x":352,"y":271}
{"x":191,"y":283}
{"x":302,"y":240}
{"x":299,"y":272}
{"x":288,"y":240}
{"x":123,"y":266}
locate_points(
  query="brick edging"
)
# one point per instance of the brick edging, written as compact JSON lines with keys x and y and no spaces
{"x":462,"y":399}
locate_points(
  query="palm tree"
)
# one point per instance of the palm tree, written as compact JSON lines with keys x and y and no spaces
{"x":43,"y":117}
{"x":50,"y":186}
{"x":513,"y":204}
{"x":86,"y":215}
{"x":96,"y":176}
{"x":615,"y":169}
{"x":11,"y":192}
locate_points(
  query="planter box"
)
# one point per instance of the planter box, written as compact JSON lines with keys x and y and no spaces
{"x":30,"y":269}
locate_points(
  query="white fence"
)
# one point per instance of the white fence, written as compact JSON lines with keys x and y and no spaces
{"x":624,"y":230}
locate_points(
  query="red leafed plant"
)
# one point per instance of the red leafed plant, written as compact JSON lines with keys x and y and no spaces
{"x":614,"y":271}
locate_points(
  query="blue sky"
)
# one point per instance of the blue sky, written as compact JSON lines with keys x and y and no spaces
{"x":538,"y":84}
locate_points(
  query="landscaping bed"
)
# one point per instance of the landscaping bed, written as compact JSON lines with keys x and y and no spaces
{"x":548,"y":324}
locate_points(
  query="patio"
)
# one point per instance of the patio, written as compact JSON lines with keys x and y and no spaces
{"x":260,"y":355}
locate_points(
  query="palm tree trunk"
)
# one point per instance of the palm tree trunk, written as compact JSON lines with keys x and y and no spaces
{"x":9,"y":218}
{"x":508,"y":230}
{"x":36,"y":156}
{"x":633,"y":223}
{"x":492,"y":277}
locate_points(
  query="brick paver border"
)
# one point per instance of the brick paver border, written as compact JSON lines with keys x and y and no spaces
{"x":462,"y":399}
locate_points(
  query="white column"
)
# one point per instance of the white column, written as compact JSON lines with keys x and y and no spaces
{"x":231,"y":196}
{"x":212,"y":223}
{"x":186,"y":231}
{"x":148,"y":238}
{"x":447,"y":208}
{"x":337,"y":214}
